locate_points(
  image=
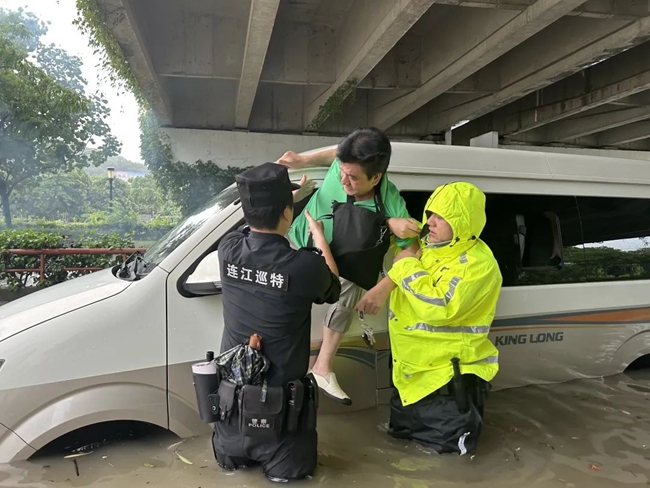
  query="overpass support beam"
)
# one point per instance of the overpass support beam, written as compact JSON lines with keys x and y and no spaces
{"x":260,"y":28}
{"x":371,"y":30}
{"x":607,"y":82}
{"x":573,"y":128}
{"x":119,"y":15}
{"x":473,"y":55}
{"x":589,"y":44}
{"x":624,"y":135}
{"x":608,"y":9}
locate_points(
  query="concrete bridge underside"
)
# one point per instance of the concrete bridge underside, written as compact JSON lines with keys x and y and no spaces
{"x":568,"y":73}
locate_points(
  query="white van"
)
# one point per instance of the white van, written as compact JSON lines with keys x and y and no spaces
{"x":571,"y":234}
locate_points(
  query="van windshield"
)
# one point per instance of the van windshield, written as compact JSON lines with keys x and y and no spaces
{"x":188,"y":226}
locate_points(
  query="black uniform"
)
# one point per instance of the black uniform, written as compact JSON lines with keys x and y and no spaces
{"x":269,"y":289}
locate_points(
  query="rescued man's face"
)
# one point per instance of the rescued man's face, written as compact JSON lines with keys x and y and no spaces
{"x":355,"y":181}
{"x":439,"y":229}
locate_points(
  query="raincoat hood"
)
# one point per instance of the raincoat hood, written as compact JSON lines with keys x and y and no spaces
{"x":462,"y":205}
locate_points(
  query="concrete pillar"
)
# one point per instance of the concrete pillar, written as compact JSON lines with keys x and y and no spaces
{"x":489,"y":139}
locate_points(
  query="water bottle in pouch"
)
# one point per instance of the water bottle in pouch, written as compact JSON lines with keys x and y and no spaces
{"x":206,"y":382}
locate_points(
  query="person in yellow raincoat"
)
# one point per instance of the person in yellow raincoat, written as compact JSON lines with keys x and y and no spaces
{"x":442,"y":302}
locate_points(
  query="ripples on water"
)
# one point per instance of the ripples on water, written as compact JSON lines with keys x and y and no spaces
{"x":592,"y":433}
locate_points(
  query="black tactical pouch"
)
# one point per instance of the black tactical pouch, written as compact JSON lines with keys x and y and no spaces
{"x":226,"y":399}
{"x":295,"y":400}
{"x":309,"y":411}
{"x":213,"y":403}
{"x":262,"y":419}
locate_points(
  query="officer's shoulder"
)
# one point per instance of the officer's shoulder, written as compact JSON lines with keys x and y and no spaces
{"x":312,"y":250}
{"x":233,"y":237}
{"x":310,"y":254}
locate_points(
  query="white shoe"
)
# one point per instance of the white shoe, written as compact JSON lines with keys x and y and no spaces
{"x":331,"y":388}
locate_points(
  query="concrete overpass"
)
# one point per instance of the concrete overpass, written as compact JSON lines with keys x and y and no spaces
{"x":568,"y":73}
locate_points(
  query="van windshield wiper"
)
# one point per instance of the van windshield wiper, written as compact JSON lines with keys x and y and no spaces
{"x":133,"y":268}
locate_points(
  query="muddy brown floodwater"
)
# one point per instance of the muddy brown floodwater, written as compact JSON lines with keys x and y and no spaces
{"x":591,"y":433}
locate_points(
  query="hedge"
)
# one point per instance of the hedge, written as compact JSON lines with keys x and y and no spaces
{"x":75,"y":230}
{"x":31,"y":239}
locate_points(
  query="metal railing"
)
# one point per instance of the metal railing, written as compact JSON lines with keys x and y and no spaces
{"x":125,"y":252}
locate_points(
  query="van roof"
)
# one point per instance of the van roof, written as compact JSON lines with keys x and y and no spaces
{"x":418,"y":158}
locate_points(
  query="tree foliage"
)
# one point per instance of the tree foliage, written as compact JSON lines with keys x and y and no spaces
{"x":47,"y":122}
{"x":94,"y":24}
{"x":190,"y":185}
{"x":75,"y":196}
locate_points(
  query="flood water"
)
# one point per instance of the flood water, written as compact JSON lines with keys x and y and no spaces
{"x":586,"y":433}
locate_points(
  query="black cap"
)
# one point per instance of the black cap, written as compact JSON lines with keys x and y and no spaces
{"x":265,"y":185}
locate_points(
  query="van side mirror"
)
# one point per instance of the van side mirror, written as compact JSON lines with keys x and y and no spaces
{"x":206,"y":278}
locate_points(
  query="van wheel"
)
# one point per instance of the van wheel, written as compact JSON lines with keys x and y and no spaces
{"x":94,"y":437}
{"x":640,"y":363}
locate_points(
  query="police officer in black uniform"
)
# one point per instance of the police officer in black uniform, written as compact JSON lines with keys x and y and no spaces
{"x":269,"y":289}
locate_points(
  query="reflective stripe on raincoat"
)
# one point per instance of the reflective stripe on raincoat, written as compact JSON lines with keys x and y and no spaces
{"x":445,"y":301}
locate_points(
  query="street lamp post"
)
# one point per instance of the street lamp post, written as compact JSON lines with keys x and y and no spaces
{"x":111,"y":175}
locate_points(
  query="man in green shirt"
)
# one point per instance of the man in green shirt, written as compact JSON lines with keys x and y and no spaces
{"x":357,"y":168}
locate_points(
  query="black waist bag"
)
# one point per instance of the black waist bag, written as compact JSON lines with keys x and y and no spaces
{"x":262,"y":419}
{"x":360,"y":239}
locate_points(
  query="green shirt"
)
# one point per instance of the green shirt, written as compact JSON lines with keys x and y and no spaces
{"x":320,"y":204}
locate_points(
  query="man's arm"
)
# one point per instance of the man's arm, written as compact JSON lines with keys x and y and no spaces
{"x":307,"y":187}
{"x":316,"y":230}
{"x":375,"y":298}
{"x":326,"y":279}
{"x":229,"y":240}
{"x":414,"y":247}
{"x":322,"y":158}
{"x":401,"y":224}
{"x":404,"y":227}
{"x":328,"y":285}
{"x":434,"y":298}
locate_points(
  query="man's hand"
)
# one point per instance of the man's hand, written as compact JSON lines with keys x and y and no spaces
{"x":403,"y":228}
{"x":292,"y":160}
{"x":306,"y":188}
{"x":375,"y":298}
{"x":408,"y":253}
{"x":320,"y":241}
{"x":315,"y":226}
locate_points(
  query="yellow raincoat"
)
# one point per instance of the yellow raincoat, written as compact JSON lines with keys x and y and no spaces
{"x":445,"y":301}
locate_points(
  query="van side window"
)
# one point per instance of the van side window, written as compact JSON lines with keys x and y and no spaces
{"x":536,"y":239}
{"x":617,"y":238}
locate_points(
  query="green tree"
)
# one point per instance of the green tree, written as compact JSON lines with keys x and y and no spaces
{"x":146,"y":196}
{"x":59,"y":196}
{"x":189,"y":185}
{"x":76,"y":196}
{"x":99,"y":195}
{"x":47,"y":122}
